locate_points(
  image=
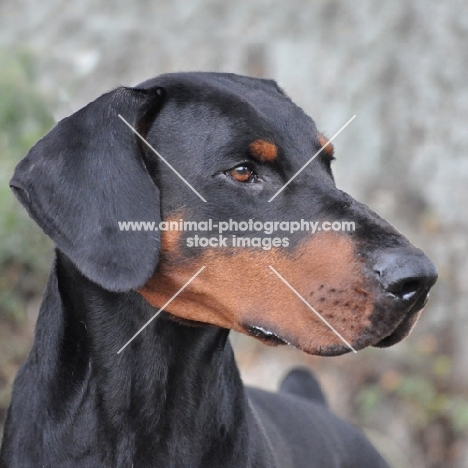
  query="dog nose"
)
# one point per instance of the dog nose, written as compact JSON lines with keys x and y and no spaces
{"x":406,"y":274}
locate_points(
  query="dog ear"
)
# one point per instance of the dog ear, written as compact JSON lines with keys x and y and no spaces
{"x":86,"y":175}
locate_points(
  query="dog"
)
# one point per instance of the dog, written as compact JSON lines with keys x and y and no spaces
{"x":97,"y":389}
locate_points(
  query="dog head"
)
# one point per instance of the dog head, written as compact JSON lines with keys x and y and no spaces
{"x":287,"y":256}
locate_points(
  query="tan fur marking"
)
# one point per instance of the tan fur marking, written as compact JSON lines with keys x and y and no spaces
{"x":238,"y":289}
{"x":263,"y":150}
{"x":329,"y":150}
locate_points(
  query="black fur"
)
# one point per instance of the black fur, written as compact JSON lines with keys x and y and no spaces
{"x":84,"y":174}
{"x":174,"y":397}
{"x":302,"y":383}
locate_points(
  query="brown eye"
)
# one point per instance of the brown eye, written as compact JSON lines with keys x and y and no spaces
{"x":243,"y":174}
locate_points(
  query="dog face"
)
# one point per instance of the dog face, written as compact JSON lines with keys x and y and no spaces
{"x":237,"y":141}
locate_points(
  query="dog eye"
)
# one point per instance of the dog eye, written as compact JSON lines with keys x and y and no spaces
{"x":243,"y":174}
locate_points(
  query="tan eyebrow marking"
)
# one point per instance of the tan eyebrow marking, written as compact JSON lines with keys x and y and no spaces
{"x":329,"y":150}
{"x":263,"y":150}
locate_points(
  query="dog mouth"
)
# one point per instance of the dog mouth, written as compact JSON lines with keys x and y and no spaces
{"x":405,"y":326}
{"x":397,"y":333}
{"x":266,"y":336}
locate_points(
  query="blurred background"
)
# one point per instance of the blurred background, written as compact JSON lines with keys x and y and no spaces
{"x":400,"y":66}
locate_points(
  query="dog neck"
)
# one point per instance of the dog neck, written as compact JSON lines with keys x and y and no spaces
{"x":173,"y":394}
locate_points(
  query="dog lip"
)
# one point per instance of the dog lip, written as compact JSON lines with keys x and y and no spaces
{"x":265,"y":335}
{"x":404,"y":327}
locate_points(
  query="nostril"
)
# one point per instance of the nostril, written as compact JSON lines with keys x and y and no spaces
{"x":405,"y":289}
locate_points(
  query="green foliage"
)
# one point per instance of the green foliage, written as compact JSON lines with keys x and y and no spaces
{"x":24,"y":250}
{"x":369,"y":399}
{"x":459,"y":413}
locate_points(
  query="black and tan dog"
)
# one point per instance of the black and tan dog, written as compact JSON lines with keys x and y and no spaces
{"x":173,"y":397}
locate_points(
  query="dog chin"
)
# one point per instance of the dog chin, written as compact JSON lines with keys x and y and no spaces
{"x":404,"y":328}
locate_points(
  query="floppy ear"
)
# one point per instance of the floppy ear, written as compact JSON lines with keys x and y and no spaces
{"x":85,"y":176}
